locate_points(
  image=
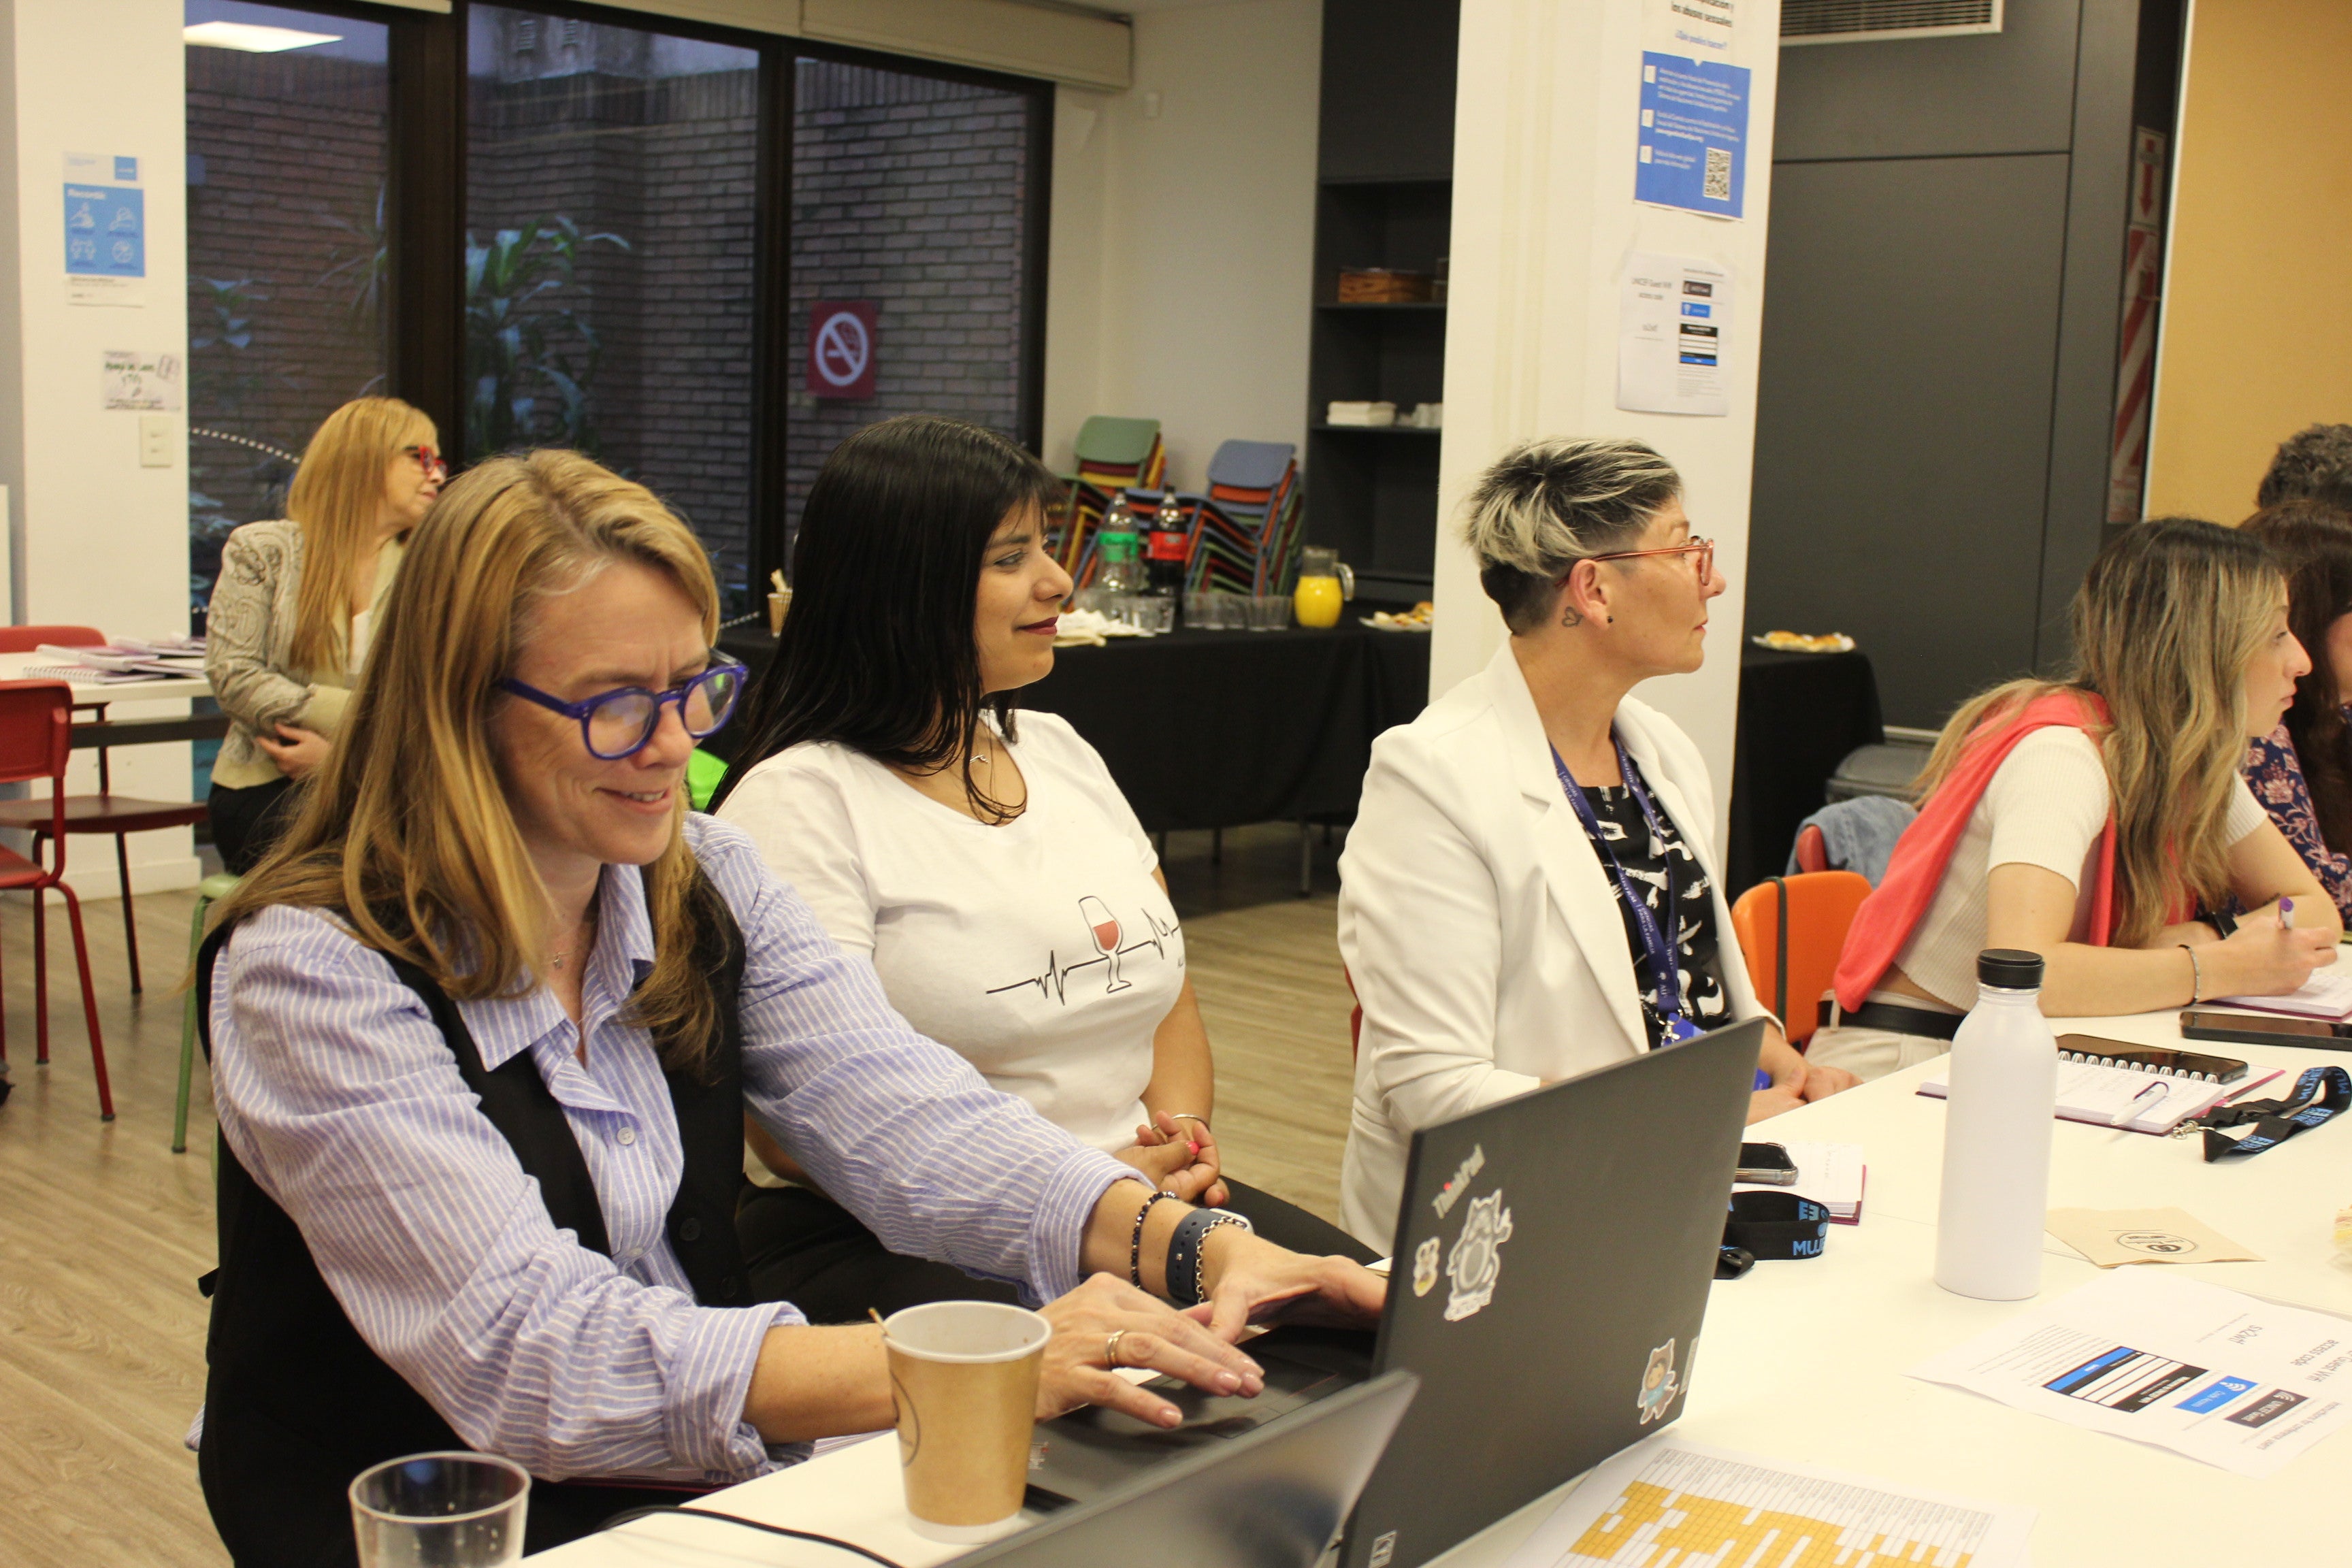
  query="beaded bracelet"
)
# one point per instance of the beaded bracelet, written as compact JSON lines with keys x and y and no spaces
{"x":2196,"y":975}
{"x":1134,"y":1243}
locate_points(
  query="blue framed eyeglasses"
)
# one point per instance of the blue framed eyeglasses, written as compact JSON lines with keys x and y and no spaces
{"x":621,"y":723}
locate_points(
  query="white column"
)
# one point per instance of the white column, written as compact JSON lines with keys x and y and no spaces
{"x":96,"y":537}
{"x":1547,"y":134}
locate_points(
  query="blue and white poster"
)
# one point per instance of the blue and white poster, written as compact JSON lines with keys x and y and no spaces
{"x":1693,"y":143}
{"x":106,"y":231}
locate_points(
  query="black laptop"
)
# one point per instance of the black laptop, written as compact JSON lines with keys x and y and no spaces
{"x":1276,"y":1498}
{"x":1552,"y":1259}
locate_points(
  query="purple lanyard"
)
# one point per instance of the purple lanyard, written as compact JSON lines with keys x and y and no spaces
{"x":1676,"y":1027}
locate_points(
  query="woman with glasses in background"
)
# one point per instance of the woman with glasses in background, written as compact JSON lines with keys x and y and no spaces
{"x":484,"y":1028}
{"x":1531,"y":889}
{"x":288,"y":627}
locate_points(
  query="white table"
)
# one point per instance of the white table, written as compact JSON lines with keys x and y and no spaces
{"x":1805,"y":1360}
{"x":160,"y":688}
{"x":112,"y":732}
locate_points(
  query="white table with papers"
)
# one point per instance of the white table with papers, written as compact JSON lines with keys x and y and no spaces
{"x":1809,"y":1362}
{"x":151,"y":726}
{"x":160,"y":688}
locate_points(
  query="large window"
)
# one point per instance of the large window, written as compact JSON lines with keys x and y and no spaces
{"x":611,"y":187}
{"x":287,"y":131}
{"x":578,"y":226}
{"x":912,"y":194}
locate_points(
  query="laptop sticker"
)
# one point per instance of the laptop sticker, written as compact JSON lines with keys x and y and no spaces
{"x":1383,"y":1549}
{"x":1476,"y":1258}
{"x":1659,"y":1384}
{"x":1451,"y":1192}
{"x":1424,"y":1265}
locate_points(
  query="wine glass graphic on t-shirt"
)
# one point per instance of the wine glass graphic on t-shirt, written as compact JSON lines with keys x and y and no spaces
{"x":1103,"y":926}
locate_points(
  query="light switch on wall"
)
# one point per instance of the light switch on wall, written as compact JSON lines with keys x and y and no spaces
{"x":159,"y":441}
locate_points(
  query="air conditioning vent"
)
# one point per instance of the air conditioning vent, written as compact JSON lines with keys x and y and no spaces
{"x":1872,"y":21}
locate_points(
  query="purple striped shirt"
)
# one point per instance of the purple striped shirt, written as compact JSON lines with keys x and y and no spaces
{"x":339,"y":1096}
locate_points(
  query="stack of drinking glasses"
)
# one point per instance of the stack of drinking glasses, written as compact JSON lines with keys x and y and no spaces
{"x":1237,"y":612}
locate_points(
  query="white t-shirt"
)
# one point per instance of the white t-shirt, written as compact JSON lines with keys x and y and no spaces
{"x":1041,"y":949}
{"x":2045,"y":806}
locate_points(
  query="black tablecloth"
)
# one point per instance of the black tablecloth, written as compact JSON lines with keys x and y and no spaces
{"x":1218,"y":729}
{"x":1799,"y":714}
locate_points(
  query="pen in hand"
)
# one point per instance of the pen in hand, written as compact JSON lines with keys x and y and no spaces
{"x":2286,"y":914}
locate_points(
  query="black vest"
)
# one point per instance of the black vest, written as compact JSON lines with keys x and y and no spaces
{"x":296,"y":1405}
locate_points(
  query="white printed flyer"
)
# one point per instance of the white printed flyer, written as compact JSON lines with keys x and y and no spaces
{"x":2236,"y":1382}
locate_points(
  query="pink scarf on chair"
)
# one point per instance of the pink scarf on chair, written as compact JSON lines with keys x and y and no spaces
{"x":1887,"y":917}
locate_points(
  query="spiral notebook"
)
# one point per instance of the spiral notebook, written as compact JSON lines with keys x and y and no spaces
{"x":2131,"y":1098}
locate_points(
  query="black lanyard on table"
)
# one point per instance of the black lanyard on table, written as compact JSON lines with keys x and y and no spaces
{"x":1676,"y":1026}
{"x":1777,"y":1224}
{"x":2318,"y":1096}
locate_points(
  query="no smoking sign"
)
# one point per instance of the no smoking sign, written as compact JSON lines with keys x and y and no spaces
{"x":842,"y":347}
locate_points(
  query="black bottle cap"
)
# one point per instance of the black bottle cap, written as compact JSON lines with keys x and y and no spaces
{"x":2011,"y":969}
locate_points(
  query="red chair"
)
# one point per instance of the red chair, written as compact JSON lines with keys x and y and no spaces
{"x":35,"y":740}
{"x":1812,"y":850}
{"x":104,"y":812}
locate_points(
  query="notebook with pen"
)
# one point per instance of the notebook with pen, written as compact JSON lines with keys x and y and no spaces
{"x":2129,"y":1096}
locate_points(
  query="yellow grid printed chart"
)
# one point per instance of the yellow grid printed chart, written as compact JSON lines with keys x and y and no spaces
{"x":1698,"y":1510}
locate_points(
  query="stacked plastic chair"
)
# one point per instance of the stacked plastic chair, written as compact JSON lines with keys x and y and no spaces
{"x":1114,"y":454}
{"x":1246,"y":531}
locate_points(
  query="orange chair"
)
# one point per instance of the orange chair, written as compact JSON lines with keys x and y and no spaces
{"x":1812,"y":911}
{"x":35,"y":740}
{"x":104,"y":812}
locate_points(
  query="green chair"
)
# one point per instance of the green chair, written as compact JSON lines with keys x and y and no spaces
{"x":703,"y":773}
{"x":209,"y":892}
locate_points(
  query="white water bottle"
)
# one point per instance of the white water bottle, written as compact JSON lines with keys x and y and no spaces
{"x":1997,"y":1121}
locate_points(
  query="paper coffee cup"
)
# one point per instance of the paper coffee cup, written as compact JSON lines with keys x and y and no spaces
{"x":963,"y":1376}
{"x":777,"y":604}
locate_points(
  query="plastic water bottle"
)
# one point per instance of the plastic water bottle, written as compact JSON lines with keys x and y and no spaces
{"x":1997,"y":1121}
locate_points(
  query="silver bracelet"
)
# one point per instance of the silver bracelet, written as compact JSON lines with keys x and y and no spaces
{"x":2196,"y":975}
{"x":1186,"y":1116}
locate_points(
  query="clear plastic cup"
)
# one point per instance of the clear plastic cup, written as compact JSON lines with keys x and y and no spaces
{"x":1269,"y":612}
{"x":441,"y":1510}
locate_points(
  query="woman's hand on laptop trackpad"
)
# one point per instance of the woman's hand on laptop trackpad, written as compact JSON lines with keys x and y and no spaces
{"x":1252,"y":1280}
{"x":1106,"y":1327}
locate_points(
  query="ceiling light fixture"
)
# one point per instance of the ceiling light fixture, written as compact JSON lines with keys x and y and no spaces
{"x":254,"y":38}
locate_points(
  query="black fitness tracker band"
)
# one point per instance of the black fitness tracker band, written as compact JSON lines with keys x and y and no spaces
{"x":1184,"y":1252}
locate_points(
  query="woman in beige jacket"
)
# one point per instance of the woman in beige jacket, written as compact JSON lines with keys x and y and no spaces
{"x":288,"y":628}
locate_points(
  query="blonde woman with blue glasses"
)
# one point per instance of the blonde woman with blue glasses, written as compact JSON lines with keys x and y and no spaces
{"x":485,"y":1026}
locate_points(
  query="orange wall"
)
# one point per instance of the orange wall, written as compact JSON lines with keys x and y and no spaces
{"x":2257,"y":324}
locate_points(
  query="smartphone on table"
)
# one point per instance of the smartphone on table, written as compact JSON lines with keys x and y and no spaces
{"x":1768,"y":1163}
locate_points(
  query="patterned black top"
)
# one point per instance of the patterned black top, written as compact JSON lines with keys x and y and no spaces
{"x":1644,"y":858}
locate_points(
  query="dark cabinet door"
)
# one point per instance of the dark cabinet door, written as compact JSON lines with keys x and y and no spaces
{"x":1904,"y":415}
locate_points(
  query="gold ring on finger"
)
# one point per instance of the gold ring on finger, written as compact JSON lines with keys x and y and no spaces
{"x":1110,"y":1347}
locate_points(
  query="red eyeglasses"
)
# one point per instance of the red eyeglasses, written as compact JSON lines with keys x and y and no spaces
{"x":431,"y":461}
{"x":1702,"y":548}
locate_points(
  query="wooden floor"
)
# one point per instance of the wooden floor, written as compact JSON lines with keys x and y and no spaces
{"x":103,"y":1230}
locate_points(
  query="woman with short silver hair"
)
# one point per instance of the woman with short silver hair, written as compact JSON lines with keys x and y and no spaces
{"x":1530,"y":890}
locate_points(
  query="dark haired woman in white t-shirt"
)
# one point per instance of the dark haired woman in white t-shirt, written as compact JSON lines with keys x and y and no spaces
{"x":988,"y":867}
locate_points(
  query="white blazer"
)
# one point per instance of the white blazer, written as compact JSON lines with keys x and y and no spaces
{"x":1481,"y":931}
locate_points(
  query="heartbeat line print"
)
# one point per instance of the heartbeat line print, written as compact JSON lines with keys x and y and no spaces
{"x":1054,"y":980}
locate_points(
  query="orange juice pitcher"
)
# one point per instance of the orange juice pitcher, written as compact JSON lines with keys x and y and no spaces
{"x":1325,"y":583}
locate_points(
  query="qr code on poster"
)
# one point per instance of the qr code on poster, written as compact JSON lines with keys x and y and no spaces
{"x":1718,"y":175}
